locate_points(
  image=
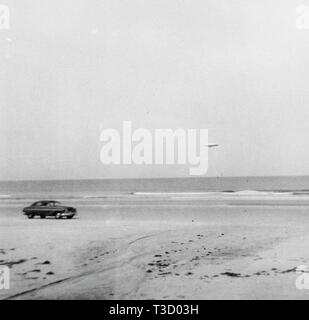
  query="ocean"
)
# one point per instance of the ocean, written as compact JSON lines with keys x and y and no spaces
{"x":104,"y":187}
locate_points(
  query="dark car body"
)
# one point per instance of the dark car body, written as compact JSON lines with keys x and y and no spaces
{"x":47,"y":208}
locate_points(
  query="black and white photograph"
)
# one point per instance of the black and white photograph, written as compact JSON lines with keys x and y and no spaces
{"x":154,"y":150}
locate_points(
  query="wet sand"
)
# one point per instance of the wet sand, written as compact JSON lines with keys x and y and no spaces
{"x":158,"y":247}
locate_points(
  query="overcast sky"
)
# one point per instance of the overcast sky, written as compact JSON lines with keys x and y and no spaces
{"x":70,"y":68}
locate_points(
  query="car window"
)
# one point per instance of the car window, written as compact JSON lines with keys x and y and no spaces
{"x":37,"y":204}
{"x":46,"y":204}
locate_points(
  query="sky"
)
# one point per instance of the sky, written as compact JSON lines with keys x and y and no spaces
{"x":70,"y":68}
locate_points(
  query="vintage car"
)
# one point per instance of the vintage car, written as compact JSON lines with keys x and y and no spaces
{"x":51,"y":208}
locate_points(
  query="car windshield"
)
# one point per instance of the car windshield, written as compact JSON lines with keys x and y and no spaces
{"x":36,"y":204}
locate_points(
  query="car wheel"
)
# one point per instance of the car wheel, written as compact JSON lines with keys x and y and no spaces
{"x":42,"y":216}
{"x":30,"y":216}
{"x":69,"y":217}
{"x":58,"y":215}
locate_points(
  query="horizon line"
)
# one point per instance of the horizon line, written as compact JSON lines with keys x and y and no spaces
{"x":157,"y":178}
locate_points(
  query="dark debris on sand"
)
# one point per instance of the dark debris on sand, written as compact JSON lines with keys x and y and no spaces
{"x":10,"y":264}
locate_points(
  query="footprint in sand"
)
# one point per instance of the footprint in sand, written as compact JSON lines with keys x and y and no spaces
{"x":261,"y":273}
{"x":231,"y":274}
{"x":35,"y":270}
{"x":164,"y":273}
{"x":44,"y":262}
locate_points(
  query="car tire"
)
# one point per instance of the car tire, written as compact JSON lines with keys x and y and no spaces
{"x":58,"y":215}
{"x":30,"y":216}
{"x":42,"y":216}
{"x":69,"y":217}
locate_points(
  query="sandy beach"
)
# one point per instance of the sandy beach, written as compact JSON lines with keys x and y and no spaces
{"x":159,"y":246}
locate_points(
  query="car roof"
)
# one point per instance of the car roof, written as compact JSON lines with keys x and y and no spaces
{"x":46,"y":201}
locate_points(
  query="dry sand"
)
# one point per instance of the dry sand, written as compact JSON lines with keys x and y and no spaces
{"x":158,"y":248}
